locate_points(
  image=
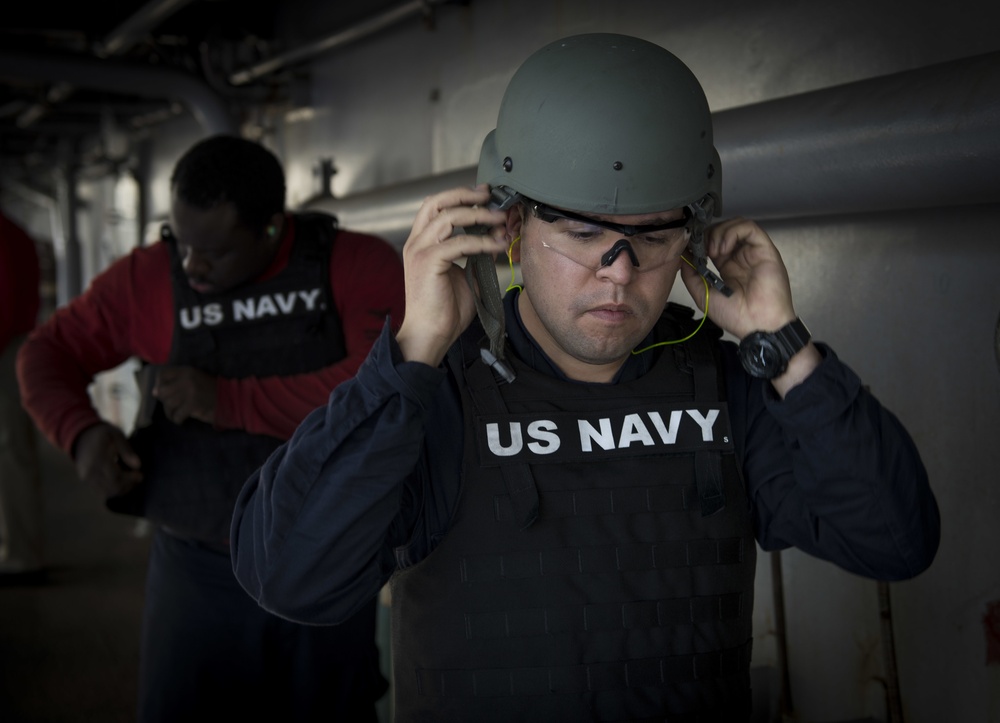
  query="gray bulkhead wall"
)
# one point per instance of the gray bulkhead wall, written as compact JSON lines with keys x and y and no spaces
{"x":905,"y":290}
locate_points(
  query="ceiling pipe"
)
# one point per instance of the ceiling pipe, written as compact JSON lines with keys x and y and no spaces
{"x":118,"y":41}
{"x":137,"y":26}
{"x":922,"y":138}
{"x":389,"y":211}
{"x":56,"y":94}
{"x":143,"y":81}
{"x":338,"y":39}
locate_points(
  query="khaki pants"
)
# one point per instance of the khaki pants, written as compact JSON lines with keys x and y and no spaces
{"x":21,"y":512}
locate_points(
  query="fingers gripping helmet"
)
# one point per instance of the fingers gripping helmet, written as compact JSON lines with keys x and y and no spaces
{"x":605,"y":124}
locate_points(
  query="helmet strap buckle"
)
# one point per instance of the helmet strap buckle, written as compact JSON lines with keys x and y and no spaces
{"x":701,"y":212}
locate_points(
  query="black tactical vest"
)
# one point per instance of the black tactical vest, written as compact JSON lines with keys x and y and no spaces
{"x":283,"y":326}
{"x":600,"y":563}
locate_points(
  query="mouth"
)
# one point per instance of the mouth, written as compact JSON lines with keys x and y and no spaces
{"x":611,"y":313}
{"x":202,"y":287}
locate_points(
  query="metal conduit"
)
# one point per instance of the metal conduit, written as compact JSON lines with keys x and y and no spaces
{"x":207,"y":108}
{"x":923,"y":138}
{"x":389,"y":211}
{"x":357,"y":32}
{"x":918,"y":139}
{"x":137,"y":25}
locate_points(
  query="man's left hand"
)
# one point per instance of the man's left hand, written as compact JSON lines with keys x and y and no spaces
{"x":186,"y":393}
{"x":750,"y":264}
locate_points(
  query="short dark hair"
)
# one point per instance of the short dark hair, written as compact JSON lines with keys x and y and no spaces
{"x":225,"y":168}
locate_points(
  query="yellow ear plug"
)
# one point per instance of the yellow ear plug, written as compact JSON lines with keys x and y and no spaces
{"x":510,"y":261}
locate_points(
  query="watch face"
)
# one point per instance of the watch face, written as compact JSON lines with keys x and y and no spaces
{"x":761,"y":357}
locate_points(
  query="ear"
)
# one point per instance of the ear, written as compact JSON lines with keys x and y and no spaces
{"x":275,"y":228}
{"x":515,"y":225}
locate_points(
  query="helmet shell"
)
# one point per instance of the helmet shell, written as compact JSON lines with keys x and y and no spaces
{"x":605,"y":124}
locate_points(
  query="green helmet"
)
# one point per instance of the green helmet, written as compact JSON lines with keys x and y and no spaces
{"x":605,"y":124}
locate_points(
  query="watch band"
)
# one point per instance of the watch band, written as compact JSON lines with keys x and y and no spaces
{"x":792,"y":337}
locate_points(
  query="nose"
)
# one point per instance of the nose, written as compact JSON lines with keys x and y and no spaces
{"x":617,"y":266}
{"x":195,"y":266}
{"x":621,"y":244}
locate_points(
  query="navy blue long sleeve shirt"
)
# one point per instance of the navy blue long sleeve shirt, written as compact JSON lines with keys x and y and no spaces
{"x":367,"y":484}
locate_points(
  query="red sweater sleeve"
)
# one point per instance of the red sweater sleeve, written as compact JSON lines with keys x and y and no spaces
{"x":366,"y":275}
{"x":126,"y":311}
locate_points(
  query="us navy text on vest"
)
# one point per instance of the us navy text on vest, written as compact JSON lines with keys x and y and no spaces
{"x":251,"y":308}
{"x":657,"y":428}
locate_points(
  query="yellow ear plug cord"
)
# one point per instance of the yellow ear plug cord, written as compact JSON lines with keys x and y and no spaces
{"x":510,"y":260}
{"x":700,"y":323}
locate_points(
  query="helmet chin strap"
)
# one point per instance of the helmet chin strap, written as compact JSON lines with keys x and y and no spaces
{"x":481,"y":276}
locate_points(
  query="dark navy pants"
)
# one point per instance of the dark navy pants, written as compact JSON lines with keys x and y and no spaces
{"x":209,"y":652}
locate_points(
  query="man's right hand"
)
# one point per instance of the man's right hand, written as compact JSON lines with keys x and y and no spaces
{"x":105,"y":459}
{"x":439,"y":303}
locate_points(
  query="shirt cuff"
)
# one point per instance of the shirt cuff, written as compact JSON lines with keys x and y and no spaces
{"x":416,"y":381}
{"x":820,"y":398}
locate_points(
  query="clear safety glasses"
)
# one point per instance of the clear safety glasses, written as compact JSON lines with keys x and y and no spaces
{"x":595,"y":243}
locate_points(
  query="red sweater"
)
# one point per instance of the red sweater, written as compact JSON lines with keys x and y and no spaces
{"x":128,"y":310}
{"x":19,"y":278}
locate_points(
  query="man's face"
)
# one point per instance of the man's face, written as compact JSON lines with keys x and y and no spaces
{"x":218,"y":252}
{"x":588,"y":321}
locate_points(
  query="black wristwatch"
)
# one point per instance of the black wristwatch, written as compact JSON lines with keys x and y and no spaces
{"x":765,"y":354}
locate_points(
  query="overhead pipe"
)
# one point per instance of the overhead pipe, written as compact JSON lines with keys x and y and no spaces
{"x":388,"y":211}
{"x":137,"y":25}
{"x":143,"y":81}
{"x":118,"y":41}
{"x":338,"y":39}
{"x":56,"y":94}
{"x":922,"y":138}
{"x":206,"y":107}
